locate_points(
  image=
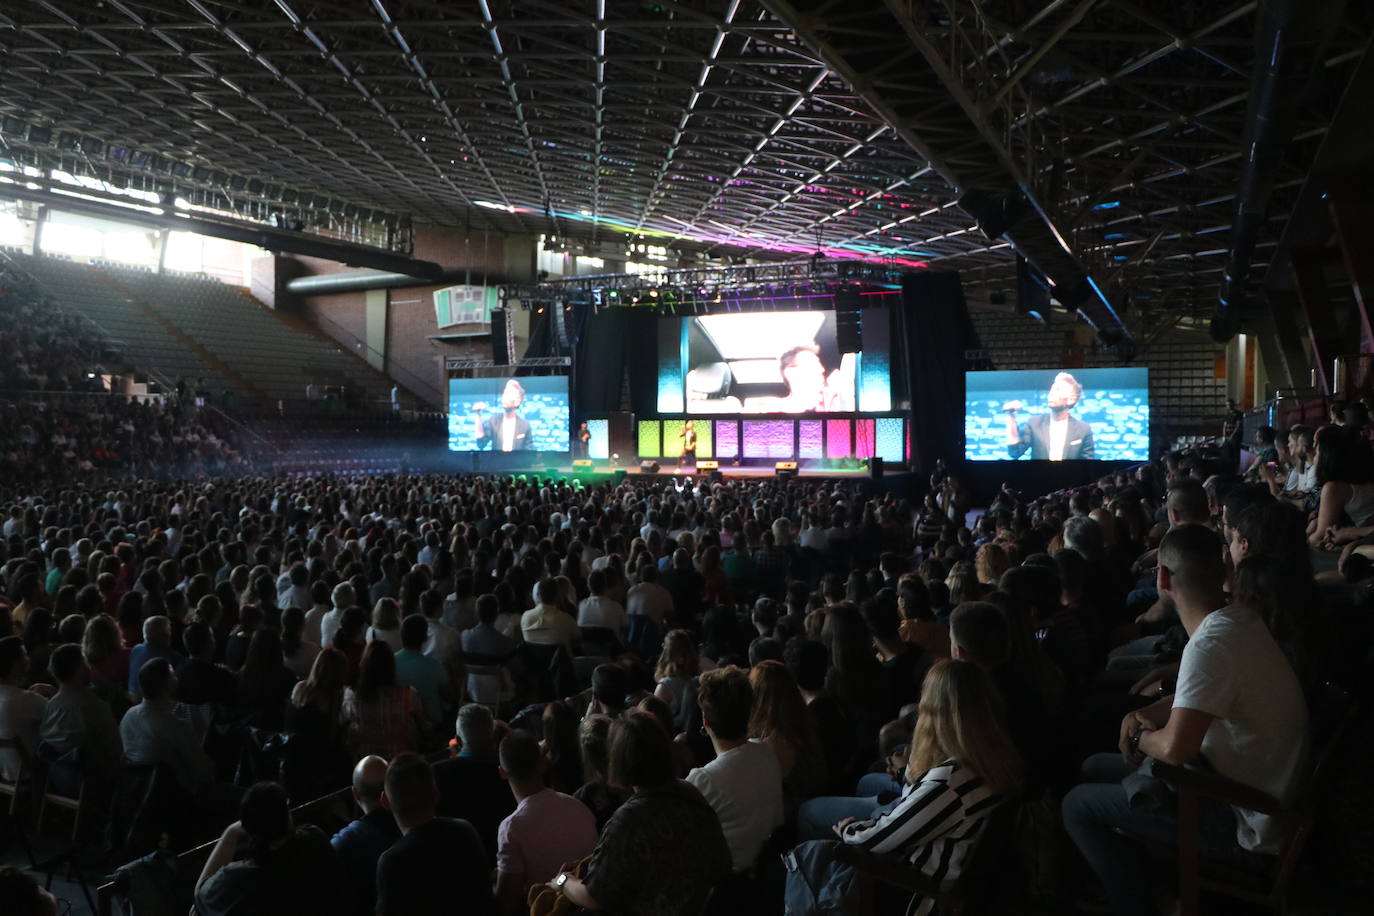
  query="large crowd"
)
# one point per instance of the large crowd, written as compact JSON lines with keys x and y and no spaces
{"x":653,"y":696}
{"x":656,"y":696}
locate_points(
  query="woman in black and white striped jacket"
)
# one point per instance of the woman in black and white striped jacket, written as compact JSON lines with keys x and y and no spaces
{"x":962,"y":766}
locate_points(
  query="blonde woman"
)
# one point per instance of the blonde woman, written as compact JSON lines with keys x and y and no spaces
{"x":989,"y":563}
{"x":676,"y":672}
{"x":960,"y":768}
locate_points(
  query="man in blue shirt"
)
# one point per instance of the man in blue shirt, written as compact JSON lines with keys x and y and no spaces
{"x":362,"y":842}
{"x":157,"y":643}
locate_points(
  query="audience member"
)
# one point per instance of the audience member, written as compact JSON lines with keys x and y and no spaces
{"x":438,"y":865}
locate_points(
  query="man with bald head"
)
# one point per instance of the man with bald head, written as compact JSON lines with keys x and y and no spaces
{"x":361,"y":843}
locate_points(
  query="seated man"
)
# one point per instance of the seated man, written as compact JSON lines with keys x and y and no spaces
{"x":157,"y":643}
{"x":21,"y":711}
{"x":546,"y":830}
{"x":547,"y":624}
{"x":743,"y":785}
{"x":152,"y":732}
{"x":77,"y":719}
{"x":285,"y":870}
{"x":437,"y":866}
{"x":1237,"y":703}
{"x":360,"y":844}
{"x":470,"y":785}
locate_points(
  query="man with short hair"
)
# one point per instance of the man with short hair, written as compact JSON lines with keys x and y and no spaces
{"x":470,"y":784}
{"x":598,"y":610}
{"x":314,"y":617}
{"x":425,"y":674}
{"x":547,"y":624}
{"x":743,"y":785}
{"x":438,"y":865}
{"x":546,"y":829}
{"x":152,"y":732}
{"x":21,"y":711}
{"x":157,"y":643}
{"x":1237,"y":704}
{"x":903,"y":664}
{"x":77,"y":719}
{"x":649,"y":598}
{"x":610,"y":685}
{"x":361,"y":843}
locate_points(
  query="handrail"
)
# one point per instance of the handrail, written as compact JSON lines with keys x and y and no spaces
{"x":261,"y":440}
{"x":412,"y":381}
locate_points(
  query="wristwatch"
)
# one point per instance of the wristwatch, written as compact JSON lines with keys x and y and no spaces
{"x":1136,"y":735}
{"x":561,"y":880}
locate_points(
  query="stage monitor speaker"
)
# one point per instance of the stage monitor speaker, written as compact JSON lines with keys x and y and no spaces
{"x":501,"y":336}
{"x":875,"y":467}
{"x":582,"y":464}
{"x":848,"y":320}
{"x":707,"y":464}
{"x":648,"y":466}
{"x":785,"y":466}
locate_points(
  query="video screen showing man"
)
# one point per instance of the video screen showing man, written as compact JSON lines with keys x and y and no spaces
{"x":1055,"y":435}
{"x":505,"y":431}
{"x":768,"y":362}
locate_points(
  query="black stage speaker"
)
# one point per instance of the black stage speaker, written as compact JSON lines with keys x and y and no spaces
{"x":848,"y":321}
{"x":501,"y":335}
{"x":875,"y":467}
{"x":648,"y":466}
{"x":560,"y":325}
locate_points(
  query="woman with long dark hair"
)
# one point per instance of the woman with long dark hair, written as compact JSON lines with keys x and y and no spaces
{"x":383,"y":717}
{"x":265,"y":683}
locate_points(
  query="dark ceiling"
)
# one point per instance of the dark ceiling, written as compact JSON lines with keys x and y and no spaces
{"x":708,"y":121}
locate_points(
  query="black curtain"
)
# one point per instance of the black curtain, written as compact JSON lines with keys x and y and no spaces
{"x":599,"y":362}
{"x":641,"y":359}
{"x":932,"y":330}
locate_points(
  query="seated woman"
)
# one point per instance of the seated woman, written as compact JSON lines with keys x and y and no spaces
{"x":663,"y":850}
{"x":317,"y":760}
{"x":383,"y":717}
{"x":962,"y":765}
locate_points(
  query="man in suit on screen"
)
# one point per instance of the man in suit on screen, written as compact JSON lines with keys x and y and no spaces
{"x":506,"y":432}
{"x":1053,"y":436}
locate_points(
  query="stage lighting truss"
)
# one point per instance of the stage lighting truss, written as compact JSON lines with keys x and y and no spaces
{"x":698,"y":291}
{"x":122,"y":169}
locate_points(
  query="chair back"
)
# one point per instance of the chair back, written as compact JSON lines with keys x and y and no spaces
{"x":65,"y":775}
{"x":1331,"y":709}
{"x":552,"y":668}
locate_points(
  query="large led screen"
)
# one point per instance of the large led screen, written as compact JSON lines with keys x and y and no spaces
{"x":1057,"y":415}
{"x":516,"y":414}
{"x":779,"y":362}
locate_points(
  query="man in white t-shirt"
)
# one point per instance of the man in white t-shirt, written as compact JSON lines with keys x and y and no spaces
{"x":743,"y":785}
{"x":599,"y":610}
{"x":1238,"y":706}
{"x":648,"y":597}
{"x":343,"y":598}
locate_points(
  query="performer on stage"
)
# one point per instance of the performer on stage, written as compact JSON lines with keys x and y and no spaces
{"x":507,"y":432}
{"x":1053,"y":436}
{"x":584,"y":436}
{"x":689,"y":445}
